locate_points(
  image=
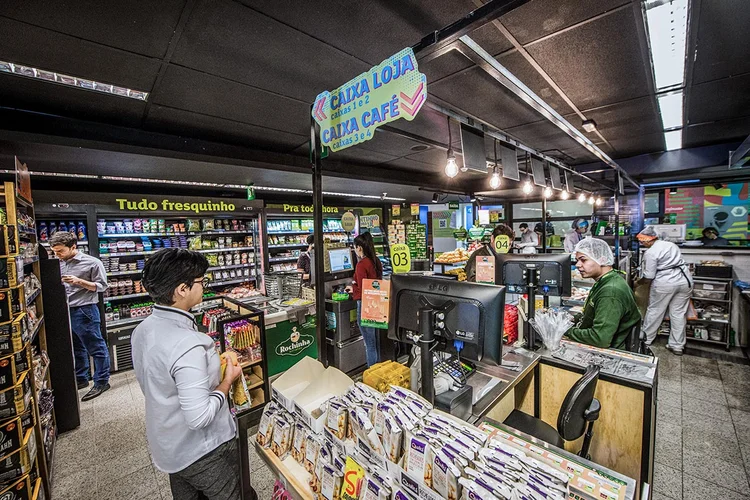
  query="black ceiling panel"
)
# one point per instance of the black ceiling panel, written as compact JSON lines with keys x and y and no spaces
{"x":140,"y":26}
{"x":357,"y":155}
{"x":355,"y":27}
{"x":478,"y":93}
{"x":44,"y":49}
{"x":598,"y":63}
{"x":542,"y":135}
{"x":705,"y":134}
{"x":719,"y":100}
{"x":443,"y":66}
{"x":186,"y":123}
{"x":431,"y":125}
{"x":418,"y":167}
{"x":435,"y":160}
{"x":230,"y":40}
{"x":539,"y":18}
{"x":183,"y":88}
{"x":491,"y":39}
{"x":524,"y":71}
{"x":625,"y":119}
{"x":50,"y":98}
{"x":388,"y":143}
{"x":723,"y":49}
{"x":633,"y":146}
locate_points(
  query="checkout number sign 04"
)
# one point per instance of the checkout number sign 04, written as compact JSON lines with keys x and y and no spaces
{"x":400,"y":258}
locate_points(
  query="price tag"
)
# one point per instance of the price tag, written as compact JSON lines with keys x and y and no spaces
{"x":400,"y":258}
{"x":502,"y":244}
{"x":348,"y":222}
{"x":486,"y":269}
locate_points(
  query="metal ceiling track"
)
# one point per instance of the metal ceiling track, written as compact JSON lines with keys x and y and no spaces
{"x":475,"y":53}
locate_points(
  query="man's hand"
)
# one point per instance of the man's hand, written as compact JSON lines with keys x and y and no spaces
{"x":72,"y":280}
{"x":232,"y":371}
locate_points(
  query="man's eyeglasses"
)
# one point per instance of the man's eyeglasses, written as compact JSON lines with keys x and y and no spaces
{"x":203,"y":281}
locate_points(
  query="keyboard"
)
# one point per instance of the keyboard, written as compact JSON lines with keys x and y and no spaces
{"x":456,"y":369}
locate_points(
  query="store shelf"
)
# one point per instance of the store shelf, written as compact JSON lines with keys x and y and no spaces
{"x":721,"y":301}
{"x":289,"y":245}
{"x":129,"y":254}
{"x":124,"y":273}
{"x":248,"y":364}
{"x":235,"y":266}
{"x":253,"y":381}
{"x":231,"y":282}
{"x":135,"y":235}
{"x":78,"y":243}
{"x":218,"y":233}
{"x":306,"y":232}
{"x":125,"y":321}
{"x":26,"y":262}
{"x":36,"y":329}
{"x":33,"y":297}
{"x":688,"y":337}
{"x":283,"y":259}
{"x":229,"y":249}
{"x":129,"y":296}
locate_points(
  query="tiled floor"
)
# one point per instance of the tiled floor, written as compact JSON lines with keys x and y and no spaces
{"x":702,"y":443}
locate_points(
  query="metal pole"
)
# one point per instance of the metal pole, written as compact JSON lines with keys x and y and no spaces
{"x":320,"y":295}
{"x":544,"y":224}
{"x":617,"y":220}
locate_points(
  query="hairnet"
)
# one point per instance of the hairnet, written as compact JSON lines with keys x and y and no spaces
{"x":648,"y":233}
{"x":596,"y":249}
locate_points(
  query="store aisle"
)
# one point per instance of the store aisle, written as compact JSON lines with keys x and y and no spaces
{"x":702,"y":429}
{"x":702,"y":443}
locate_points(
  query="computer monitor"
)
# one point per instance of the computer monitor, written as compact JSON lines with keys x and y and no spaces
{"x":553,"y":271}
{"x":340,"y":259}
{"x":474,"y":314}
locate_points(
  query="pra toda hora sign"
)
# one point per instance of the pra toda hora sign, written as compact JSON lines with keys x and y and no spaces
{"x":391,"y":90}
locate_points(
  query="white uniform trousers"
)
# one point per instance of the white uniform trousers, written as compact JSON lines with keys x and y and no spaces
{"x":663,"y":298}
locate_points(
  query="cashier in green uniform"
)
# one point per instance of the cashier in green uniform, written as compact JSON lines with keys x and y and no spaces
{"x":610,"y":310}
{"x":488,"y":249}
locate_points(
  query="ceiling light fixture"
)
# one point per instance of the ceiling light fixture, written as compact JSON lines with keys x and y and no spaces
{"x":435,"y":197}
{"x":527,"y":187}
{"x":673,"y":139}
{"x":670,"y":106}
{"x":582,"y":197}
{"x":495,"y":179}
{"x":564,"y":195}
{"x":599,"y":202}
{"x":547,"y":192}
{"x":451,"y":169}
{"x":591,"y":200}
{"x":589,"y":125}
{"x":71,"y":81}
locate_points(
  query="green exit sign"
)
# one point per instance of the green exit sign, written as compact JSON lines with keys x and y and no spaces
{"x":452,"y":205}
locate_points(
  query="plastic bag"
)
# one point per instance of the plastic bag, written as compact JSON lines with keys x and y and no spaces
{"x":239,"y":394}
{"x":195,"y":243}
{"x":551,"y":325}
{"x":193,"y":225}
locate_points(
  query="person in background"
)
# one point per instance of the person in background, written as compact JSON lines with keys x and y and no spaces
{"x":189,"y":428}
{"x":85,"y":278}
{"x":368,"y":267}
{"x":529,"y":239}
{"x":305,"y":263}
{"x":579,"y":226}
{"x":711,"y":238}
{"x":488,"y":249}
{"x":610,"y":311}
{"x":671,"y":288}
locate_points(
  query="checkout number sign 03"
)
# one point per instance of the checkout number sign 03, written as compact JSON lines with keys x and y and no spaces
{"x":400,"y":258}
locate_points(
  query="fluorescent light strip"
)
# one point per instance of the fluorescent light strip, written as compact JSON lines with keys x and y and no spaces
{"x":670,"y":106}
{"x":71,"y":81}
{"x":204,"y":184}
{"x":667,"y":33}
{"x":673,"y":139}
{"x":672,"y":183}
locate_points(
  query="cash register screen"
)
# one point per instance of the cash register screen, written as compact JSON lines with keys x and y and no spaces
{"x":340,"y":260}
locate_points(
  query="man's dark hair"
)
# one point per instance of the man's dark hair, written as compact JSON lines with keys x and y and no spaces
{"x":710,"y":230}
{"x":310,"y":239}
{"x":63,"y":238}
{"x":169,"y":268}
{"x":503,"y":229}
{"x":523,"y":225}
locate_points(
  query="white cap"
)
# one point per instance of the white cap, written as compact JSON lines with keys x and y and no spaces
{"x":597,"y":250}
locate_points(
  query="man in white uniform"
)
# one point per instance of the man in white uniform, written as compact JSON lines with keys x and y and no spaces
{"x":671,"y":287}
{"x":529,"y":239}
{"x":580,"y":226}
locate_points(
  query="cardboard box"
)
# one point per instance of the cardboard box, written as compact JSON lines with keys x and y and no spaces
{"x":12,"y":301}
{"x":11,"y":271}
{"x":11,"y":436}
{"x":307,"y":385}
{"x":12,"y":365}
{"x":15,"y":400}
{"x":8,"y":240}
{"x":21,"y":490}
{"x":21,"y":461}
{"x":13,"y":335}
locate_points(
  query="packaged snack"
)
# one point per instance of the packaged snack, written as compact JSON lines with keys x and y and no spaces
{"x":400,"y":494}
{"x":336,"y":419}
{"x":476,"y":491}
{"x":392,"y":439}
{"x":330,"y":483}
{"x":415,"y":462}
{"x":374,"y":490}
{"x":445,"y":476}
{"x":208,"y":224}
{"x":193,"y":225}
{"x":282,"y":437}
{"x":312,"y":447}
{"x":300,"y":441}
{"x":266,"y":426}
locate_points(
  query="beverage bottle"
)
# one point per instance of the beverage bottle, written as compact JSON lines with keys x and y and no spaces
{"x":81,"y":231}
{"x":43,"y":232}
{"x":72,"y":229}
{"x":116,"y":314}
{"x":62,"y":227}
{"x":52,"y":228}
{"x":108,"y":313}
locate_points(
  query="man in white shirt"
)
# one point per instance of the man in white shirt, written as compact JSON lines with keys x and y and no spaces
{"x":671,"y":287}
{"x":579,"y":226}
{"x":190,"y":430}
{"x":529,"y":239}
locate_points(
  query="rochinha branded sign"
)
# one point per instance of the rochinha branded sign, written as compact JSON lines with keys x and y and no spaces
{"x":391,"y":90}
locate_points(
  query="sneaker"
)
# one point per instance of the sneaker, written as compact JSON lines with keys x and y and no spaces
{"x":676,"y":352}
{"x":83,"y":385}
{"x":95,"y":391}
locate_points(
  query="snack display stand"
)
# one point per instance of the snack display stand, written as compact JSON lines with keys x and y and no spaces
{"x":28,"y":424}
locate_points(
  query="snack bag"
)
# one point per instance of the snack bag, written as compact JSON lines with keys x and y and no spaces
{"x":239,"y":393}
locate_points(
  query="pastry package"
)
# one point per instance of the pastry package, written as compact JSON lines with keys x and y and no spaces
{"x":312,"y":447}
{"x":336,"y":419}
{"x":301,"y":433}
{"x":392,"y":439}
{"x":330,"y":483}
{"x":282,"y":437}
{"x":445,"y":476}
{"x":266,"y":425}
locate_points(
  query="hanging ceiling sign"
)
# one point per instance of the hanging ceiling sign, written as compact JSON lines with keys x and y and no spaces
{"x":391,"y":90}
